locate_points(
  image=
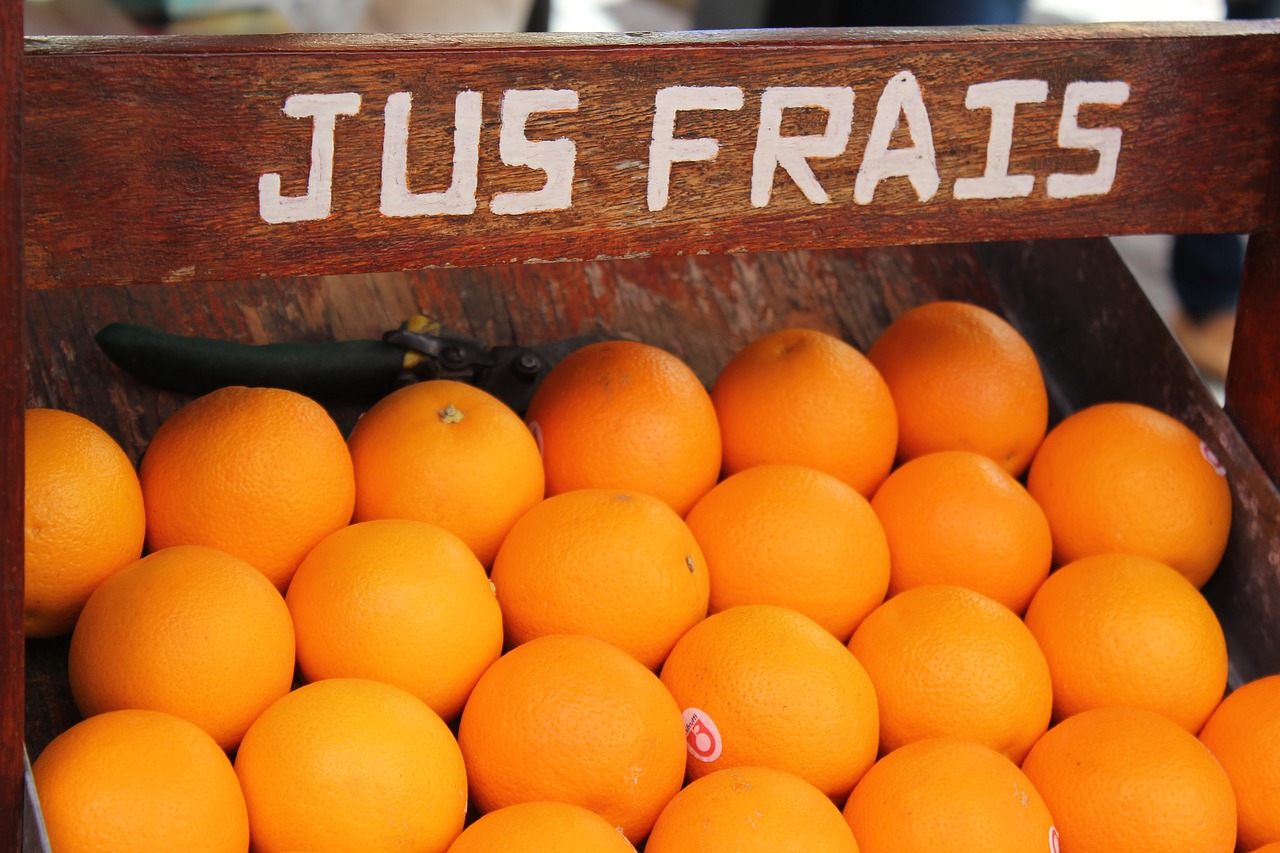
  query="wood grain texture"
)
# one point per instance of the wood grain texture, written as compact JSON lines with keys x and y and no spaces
{"x":1253,"y":380}
{"x":1091,"y":326}
{"x":12,"y":402}
{"x":144,"y":155}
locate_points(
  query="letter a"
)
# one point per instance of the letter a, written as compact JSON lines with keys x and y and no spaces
{"x":919,"y":163}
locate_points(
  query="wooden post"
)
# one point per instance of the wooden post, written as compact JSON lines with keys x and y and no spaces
{"x":1254,"y":376}
{"x":12,"y":403}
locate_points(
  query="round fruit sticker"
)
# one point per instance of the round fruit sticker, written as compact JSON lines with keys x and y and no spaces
{"x":1055,"y":846}
{"x":1212,"y":459}
{"x":701,"y":735}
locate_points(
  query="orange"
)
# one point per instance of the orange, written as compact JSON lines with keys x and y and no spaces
{"x":963,"y":378}
{"x":1243,"y":733}
{"x":1273,"y":847}
{"x":627,"y":415}
{"x":1132,"y":780}
{"x":573,"y":719}
{"x":956,"y":517}
{"x":761,"y":685}
{"x":1125,"y":477}
{"x":189,"y":630}
{"x":450,"y":454}
{"x":1119,"y":629}
{"x":261,"y":473}
{"x":138,"y":781}
{"x":948,"y":794}
{"x":541,"y":827}
{"x":616,"y":565}
{"x":83,"y":516}
{"x":750,"y":810}
{"x":348,"y":765}
{"x":950,"y":662}
{"x":399,"y":601}
{"x":795,"y":537}
{"x":804,"y":397}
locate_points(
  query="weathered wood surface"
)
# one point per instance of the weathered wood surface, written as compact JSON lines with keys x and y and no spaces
{"x":144,"y":156}
{"x":1095,"y":333}
{"x":12,"y":401}
{"x":1253,"y":382}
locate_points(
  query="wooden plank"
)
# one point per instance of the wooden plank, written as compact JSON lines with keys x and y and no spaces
{"x":1253,"y":379}
{"x":150,"y":159}
{"x":12,"y":403}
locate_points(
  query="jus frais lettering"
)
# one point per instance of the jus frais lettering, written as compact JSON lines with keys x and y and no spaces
{"x":900,"y":145}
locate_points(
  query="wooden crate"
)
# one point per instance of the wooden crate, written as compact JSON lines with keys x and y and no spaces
{"x":528,"y":188}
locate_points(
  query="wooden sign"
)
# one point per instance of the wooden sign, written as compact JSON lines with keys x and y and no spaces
{"x":302,"y":155}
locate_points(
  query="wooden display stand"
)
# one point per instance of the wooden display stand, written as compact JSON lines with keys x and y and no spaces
{"x":693,"y":190}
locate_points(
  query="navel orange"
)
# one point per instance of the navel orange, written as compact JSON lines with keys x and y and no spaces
{"x":1120,"y":629}
{"x":963,"y":378}
{"x":766,"y":686}
{"x":541,"y":827}
{"x":617,"y":565}
{"x":449,"y":454}
{"x":751,"y":810}
{"x":794,"y":537}
{"x":1126,"y":477}
{"x":261,"y":473}
{"x":137,"y":781}
{"x":405,"y":602}
{"x":948,"y":794}
{"x":805,"y":397}
{"x":1243,"y":733}
{"x":956,"y":517}
{"x":1133,"y":780}
{"x":950,"y":662}
{"x":348,"y":765}
{"x":189,"y":630}
{"x":627,"y":415}
{"x":83,"y":517}
{"x":571,"y":718}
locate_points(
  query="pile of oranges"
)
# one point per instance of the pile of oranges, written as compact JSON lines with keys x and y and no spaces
{"x":837,"y":602}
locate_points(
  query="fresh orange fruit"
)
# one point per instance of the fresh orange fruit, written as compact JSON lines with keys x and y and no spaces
{"x":1243,"y":733}
{"x":750,"y":810}
{"x":450,"y":454}
{"x":541,"y":827}
{"x":1273,"y":847}
{"x":189,"y":630}
{"x":617,"y":565}
{"x":1133,"y":780}
{"x":766,"y":686}
{"x":963,"y":378}
{"x":948,"y":794}
{"x":805,"y":397}
{"x":261,"y":473}
{"x":956,"y":517}
{"x":349,"y":765}
{"x":137,"y":781}
{"x":83,"y":517}
{"x":399,"y":601}
{"x":1125,"y":477}
{"x":627,"y":415}
{"x":950,"y":662}
{"x":1119,"y":629}
{"x":570,"y":718}
{"x":795,"y":537}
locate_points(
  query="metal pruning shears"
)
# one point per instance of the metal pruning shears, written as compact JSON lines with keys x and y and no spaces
{"x":336,"y":371}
